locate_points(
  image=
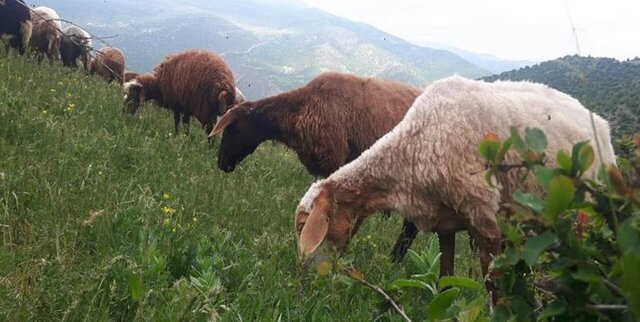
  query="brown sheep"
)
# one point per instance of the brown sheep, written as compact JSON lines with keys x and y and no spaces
{"x":129,"y":75}
{"x":15,"y":24}
{"x":194,"y":82}
{"x":45,"y":38}
{"x":109,"y":63}
{"x":328,"y":122}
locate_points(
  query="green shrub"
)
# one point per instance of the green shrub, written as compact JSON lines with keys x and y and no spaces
{"x":574,"y":253}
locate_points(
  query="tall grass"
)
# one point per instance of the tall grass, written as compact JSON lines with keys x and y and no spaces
{"x":106,"y":216}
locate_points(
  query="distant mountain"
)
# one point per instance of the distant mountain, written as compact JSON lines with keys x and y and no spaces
{"x":489,"y":62}
{"x":271,"y":46}
{"x":607,"y":86}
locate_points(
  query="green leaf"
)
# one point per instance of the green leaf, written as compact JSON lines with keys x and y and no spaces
{"x":575,"y":156}
{"x":488,"y":177}
{"x":506,"y":145}
{"x":536,"y":245}
{"x":535,"y":138}
{"x":512,"y":233}
{"x":560,"y":194}
{"x":426,"y":277}
{"x":530,"y":200}
{"x":544,"y":175}
{"x":518,"y":143}
{"x":587,"y":275}
{"x":463,"y":282}
{"x":345,"y":279}
{"x":585,"y":157}
{"x":407,"y":283}
{"x":135,"y":286}
{"x":553,"y":309}
{"x":630,"y":281}
{"x":629,"y":236}
{"x":418,"y":261}
{"x":512,"y":256}
{"x":437,"y":309}
{"x":564,"y":160}
{"x":489,"y":149}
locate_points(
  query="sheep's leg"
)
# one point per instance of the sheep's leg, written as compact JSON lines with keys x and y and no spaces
{"x":408,"y":234}
{"x":186,"y":120}
{"x":486,"y":235}
{"x":447,"y":242}
{"x":176,"y":120}
{"x":356,"y":226}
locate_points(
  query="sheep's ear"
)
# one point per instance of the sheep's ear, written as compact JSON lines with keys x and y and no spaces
{"x":222,"y":102}
{"x":223,"y":122}
{"x":316,"y":225}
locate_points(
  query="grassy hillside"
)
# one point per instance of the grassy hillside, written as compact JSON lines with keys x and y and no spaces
{"x":607,"y":86}
{"x":106,"y":216}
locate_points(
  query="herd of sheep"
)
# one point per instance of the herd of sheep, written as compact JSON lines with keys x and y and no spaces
{"x":380,"y":145}
{"x":40,"y":28}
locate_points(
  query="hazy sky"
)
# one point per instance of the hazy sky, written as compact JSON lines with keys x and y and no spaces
{"x":509,"y":29}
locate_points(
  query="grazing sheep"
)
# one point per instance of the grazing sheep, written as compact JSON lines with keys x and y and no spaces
{"x":328,"y":122}
{"x":15,"y":24}
{"x":109,"y":63}
{"x":129,"y":76}
{"x":428,"y":169}
{"x":45,"y":38}
{"x":194,"y":82}
{"x":75,"y":43}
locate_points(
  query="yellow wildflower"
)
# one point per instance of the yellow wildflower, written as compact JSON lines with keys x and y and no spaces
{"x":195,"y":219}
{"x":167,"y":221}
{"x":168,"y":210}
{"x":166,"y":196}
{"x":45,"y":112}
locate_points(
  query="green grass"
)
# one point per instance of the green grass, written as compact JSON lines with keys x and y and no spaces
{"x":105,"y":216}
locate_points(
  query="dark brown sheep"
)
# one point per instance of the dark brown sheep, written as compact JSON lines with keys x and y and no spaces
{"x":15,"y":24}
{"x":45,"y":38}
{"x":328,"y":123}
{"x":194,"y":82}
{"x":75,"y":44}
{"x":109,"y":63}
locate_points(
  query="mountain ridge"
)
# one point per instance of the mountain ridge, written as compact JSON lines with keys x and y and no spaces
{"x":271,"y":47}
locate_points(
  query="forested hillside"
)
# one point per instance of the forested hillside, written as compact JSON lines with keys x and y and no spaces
{"x":607,"y":86}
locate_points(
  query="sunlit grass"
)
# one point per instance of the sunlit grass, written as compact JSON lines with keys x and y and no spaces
{"x":106,"y":216}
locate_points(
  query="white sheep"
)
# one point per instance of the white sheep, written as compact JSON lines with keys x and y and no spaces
{"x":428,"y":169}
{"x":47,"y":29}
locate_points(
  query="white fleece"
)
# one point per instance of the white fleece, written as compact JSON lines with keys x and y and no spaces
{"x":429,"y":161}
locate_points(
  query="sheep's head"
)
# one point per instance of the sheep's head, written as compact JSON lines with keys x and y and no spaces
{"x":318,"y":221}
{"x":243,"y":129}
{"x":133,"y":96}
